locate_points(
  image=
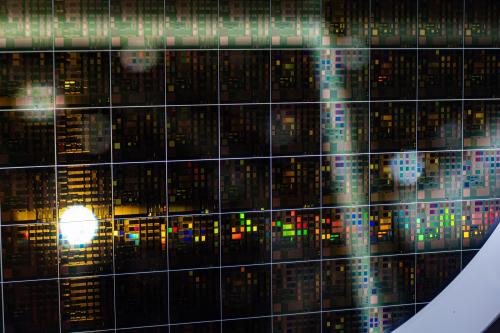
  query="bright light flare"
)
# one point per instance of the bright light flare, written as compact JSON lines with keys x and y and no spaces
{"x":78,"y":225}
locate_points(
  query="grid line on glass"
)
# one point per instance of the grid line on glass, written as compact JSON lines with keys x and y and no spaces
{"x":281,"y":157}
{"x":297,"y":209}
{"x":271,"y":296}
{"x":321,"y":187}
{"x":254,"y":49}
{"x":115,"y":322}
{"x":378,"y":101}
{"x":416,"y":147}
{"x":54,"y":112}
{"x":1,"y":275}
{"x":369,"y":150}
{"x":254,"y":317}
{"x":166,"y":175}
{"x":246,"y":265}
{"x":462,"y":130}
{"x":221,"y":299}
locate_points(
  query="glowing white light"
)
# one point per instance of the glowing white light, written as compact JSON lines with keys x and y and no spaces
{"x":78,"y":225}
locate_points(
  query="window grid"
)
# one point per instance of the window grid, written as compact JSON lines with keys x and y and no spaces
{"x":218,"y":214}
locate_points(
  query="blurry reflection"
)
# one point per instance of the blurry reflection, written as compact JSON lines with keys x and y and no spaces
{"x":36,"y":95}
{"x":83,"y":136}
{"x":140,"y":61}
{"x":403,"y":169}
